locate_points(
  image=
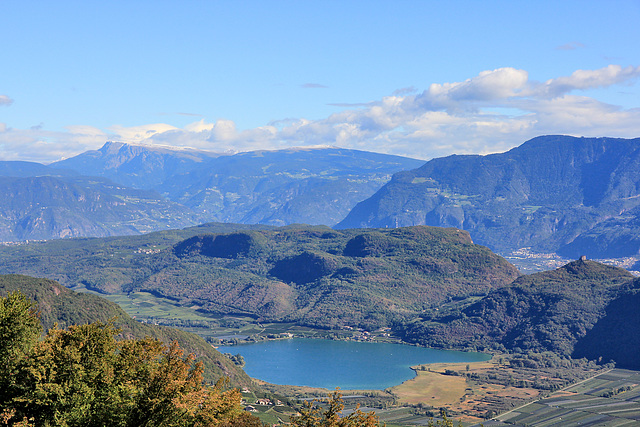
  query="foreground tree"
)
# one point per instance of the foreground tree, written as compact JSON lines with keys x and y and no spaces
{"x":20,"y":330}
{"x":313,"y":415}
{"x":329,"y":415}
{"x":86,"y":377}
{"x":83,"y":376}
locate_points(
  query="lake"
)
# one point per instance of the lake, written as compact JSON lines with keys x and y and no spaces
{"x":346,"y":364}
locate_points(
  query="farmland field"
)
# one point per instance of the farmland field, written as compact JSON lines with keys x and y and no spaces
{"x":609,"y":399}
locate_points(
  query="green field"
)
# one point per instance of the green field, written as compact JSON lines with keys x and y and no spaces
{"x":148,"y":308}
{"x":585,"y":403}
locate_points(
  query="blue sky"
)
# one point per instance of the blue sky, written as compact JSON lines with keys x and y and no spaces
{"x":416,"y":78}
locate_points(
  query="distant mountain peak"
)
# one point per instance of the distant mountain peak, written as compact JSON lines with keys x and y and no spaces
{"x":136,"y":165}
{"x":111,"y":147}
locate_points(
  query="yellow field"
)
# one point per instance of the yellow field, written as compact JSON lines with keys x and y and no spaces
{"x":435,"y":389}
{"x":432,"y":389}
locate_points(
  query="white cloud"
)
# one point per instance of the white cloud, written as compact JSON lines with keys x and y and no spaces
{"x":5,"y":100}
{"x":488,"y":85}
{"x":199,"y":126}
{"x":491,"y":112}
{"x":139,"y":133}
{"x":38,"y":145}
{"x":588,"y":79}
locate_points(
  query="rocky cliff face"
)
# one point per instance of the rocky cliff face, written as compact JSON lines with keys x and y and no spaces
{"x":549,"y":193}
{"x":39,"y":208}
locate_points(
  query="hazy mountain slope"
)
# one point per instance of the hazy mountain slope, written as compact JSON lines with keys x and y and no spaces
{"x":135,"y":166}
{"x":313,"y":186}
{"x":544,"y":194}
{"x":310,"y":186}
{"x":548,"y":311}
{"x":309,"y":275}
{"x":47,"y":207}
{"x":59,"y":304}
{"x":26,"y":169}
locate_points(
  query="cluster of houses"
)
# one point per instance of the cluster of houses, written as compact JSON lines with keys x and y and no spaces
{"x":363,"y":335}
{"x":261,"y":402}
{"x":147,"y":251}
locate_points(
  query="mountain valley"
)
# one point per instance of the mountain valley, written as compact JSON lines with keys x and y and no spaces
{"x":414,"y":257}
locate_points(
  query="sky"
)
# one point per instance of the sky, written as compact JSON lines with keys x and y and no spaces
{"x":422,"y":79}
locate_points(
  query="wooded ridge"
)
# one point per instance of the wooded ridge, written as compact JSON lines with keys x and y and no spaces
{"x":309,"y":275}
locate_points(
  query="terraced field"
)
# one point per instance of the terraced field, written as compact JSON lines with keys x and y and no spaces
{"x":609,"y":399}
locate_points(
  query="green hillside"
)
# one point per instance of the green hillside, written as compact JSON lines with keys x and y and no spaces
{"x":566,"y":311}
{"x":615,"y":336}
{"x":65,"y":307}
{"x":313,"y":276}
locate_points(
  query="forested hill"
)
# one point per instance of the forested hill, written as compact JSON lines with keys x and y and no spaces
{"x":60,"y":305}
{"x":553,"y":193}
{"x":576,"y":310}
{"x":308,"y":275}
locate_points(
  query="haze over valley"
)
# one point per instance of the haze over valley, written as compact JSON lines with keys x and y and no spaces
{"x":217,"y":213}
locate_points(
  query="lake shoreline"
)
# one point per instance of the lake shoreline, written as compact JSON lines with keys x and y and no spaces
{"x":350,"y":365}
{"x":438,"y":367}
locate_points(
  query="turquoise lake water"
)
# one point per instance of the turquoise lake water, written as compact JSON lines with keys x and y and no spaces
{"x":345,"y":364}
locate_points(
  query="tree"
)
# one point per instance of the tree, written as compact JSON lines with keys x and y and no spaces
{"x":20,"y":330}
{"x":312,"y":415}
{"x":444,"y":422}
{"x":83,"y":376}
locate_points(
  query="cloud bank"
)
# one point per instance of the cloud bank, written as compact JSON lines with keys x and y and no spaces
{"x":490,"y":112}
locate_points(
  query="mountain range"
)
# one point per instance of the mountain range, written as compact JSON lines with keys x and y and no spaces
{"x":429,"y":285}
{"x":561,"y":194}
{"x":124,"y":189}
{"x":46,"y":207}
{"x":407,"y":256}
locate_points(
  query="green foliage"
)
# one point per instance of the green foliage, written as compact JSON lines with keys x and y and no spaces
{"x":615,"y":335}
{"x":329,"y":415}
{"x":304,"y":268}
{"x":231,"y":245}
{"x":548,"y":311}
{"x":313,"y":276}
{"x":59,"y":305}
{"x":83,"y":376}
{"x":19,"y":332}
